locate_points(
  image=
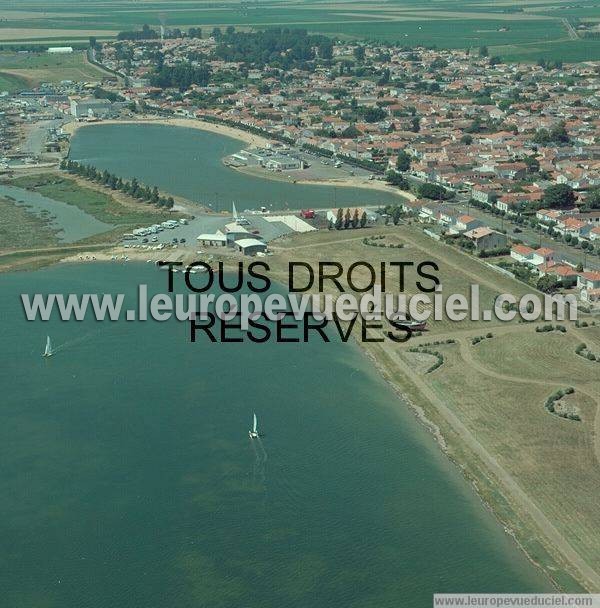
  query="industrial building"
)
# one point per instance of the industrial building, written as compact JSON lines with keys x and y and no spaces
{"x":216,"y":239}
{"x":283,"y":163}
{"x":89,"y":107}
{"x":251,"y":246}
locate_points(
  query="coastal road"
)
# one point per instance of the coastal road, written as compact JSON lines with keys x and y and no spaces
{"x":531,"y":237}
{"x":524,"y":501}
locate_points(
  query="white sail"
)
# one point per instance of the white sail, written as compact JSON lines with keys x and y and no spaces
{"x":235,"y":215}
{"x":48,"y":350}
{"x":254,"y":426}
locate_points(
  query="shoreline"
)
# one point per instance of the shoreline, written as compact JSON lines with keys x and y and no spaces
{"x":478,"y":475}
{"x":479,"y":479}
{"x":351,"y":182}
{"x":252,"y":140}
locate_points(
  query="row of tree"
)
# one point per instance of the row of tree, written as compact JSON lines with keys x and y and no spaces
{"x":345,"y":220}
{"x":132,"y":188}
{"x":148,"y":33}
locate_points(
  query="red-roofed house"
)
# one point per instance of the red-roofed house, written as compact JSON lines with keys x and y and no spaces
{"x":565,"y":274}
{"x":589,"y":284}
{"x":521,"y":253}
{"x":486,"y":238}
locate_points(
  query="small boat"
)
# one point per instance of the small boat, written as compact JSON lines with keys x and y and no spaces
{"x":415,"y":325}
{"x":48,"y":352}
{"x":254,"y":432}
{"x":410,"y":323}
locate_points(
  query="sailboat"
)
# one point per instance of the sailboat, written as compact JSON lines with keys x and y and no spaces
{"x":254,"y":432}
{"x":48,"y":352}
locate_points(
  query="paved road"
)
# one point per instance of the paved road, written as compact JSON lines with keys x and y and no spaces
{"x":532,"y":238}
{"x":570,"y":29}
{"x":37,"y":136}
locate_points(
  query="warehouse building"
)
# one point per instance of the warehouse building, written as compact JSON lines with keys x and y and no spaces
{"x":251,"y":246}
{"x":84,"y":108}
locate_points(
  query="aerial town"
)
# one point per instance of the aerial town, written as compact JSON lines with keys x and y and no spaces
{"x":495,"y":154}
{"x":171,"y":460}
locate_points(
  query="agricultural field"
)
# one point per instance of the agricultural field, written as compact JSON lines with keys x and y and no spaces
{"x":515,"y":30}
{"x":538,"y":470}
{"x":34,"y":68}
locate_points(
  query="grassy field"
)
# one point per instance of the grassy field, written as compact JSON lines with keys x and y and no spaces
{"x":517,"y":30}
{"x":21,"y":229}
{"x":113,"y":209}
{"x":42,"y":67}
{"x":539,"y":472}
{"x":10,"y":82}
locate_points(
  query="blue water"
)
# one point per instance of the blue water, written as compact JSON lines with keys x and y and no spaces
{"x":188,"y":162}
{"x":73,"y":223}
{"x":128,"y":478}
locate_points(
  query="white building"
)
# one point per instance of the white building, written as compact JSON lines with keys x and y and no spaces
{"x":63,"y":50}
{"x":83,"y":108}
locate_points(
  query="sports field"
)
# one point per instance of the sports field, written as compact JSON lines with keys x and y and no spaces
{"x":524,"y":30}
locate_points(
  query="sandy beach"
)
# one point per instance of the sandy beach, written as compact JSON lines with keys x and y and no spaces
{"x":190,"y":123}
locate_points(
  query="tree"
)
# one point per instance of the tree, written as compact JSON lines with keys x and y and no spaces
{"x":483,"y":51}
{"x":351,"y":132}
{"x":403,"y":161}
{"x":533,"y":164}
{"x":548,"y":284}
{"x":372,"y":114}
{"x":467,"y":139}
{"x":355,"y":218}
{"x":558,"y":133}
{"x":363,"y":219}
{"x":559,"y":196}
{"x":339,"y":219}
{"x":391,"y":177}
{"x":433,"y":191}
{"x":415,"y":124}
{"x":347,"y":218}
{"x":359,"y":53}
{"x":592,"y":200}
{"x":93,"y":42}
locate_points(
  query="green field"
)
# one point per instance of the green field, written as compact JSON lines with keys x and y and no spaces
{"x":33,"y":68}
{"x":10,"y":82}
{"x":515,"y":30}
{"x":103,"y":206}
